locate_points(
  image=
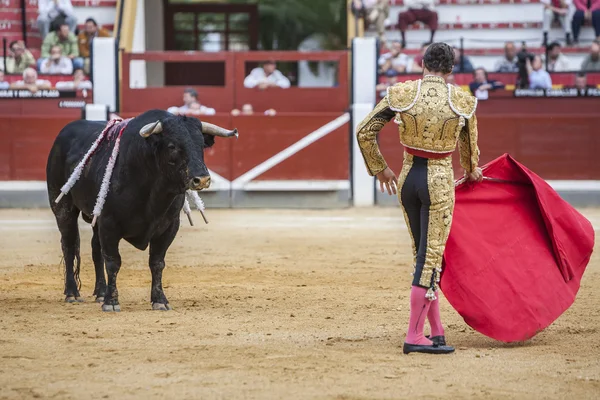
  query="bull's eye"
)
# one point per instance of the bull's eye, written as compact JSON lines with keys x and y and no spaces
{"x":171,"y":146}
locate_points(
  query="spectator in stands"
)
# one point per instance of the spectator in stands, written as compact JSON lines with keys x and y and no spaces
{"x":53,"y":13}
{"x":247,"y":109}
{"x":31,"y":82}
{"x":586,"y":10}
{"x":19,"y":59}
{"x":581,"y":83}
{"x":3,"y":83}
{"x":190,"y":97}
{"x":418,"y":10}
{"x":394,"y":62}
{"x":68,"y":43}
{"x":538,"y":77}
{"x":78,"y":83}
{"x":86,"y":36}
{"x":557,"y":61}
{"x":592,"y":61}
{"x":509,"y":62}
{"x":373,"y":12}
{"x":417,"y":65}
{"x":482,"y":85}
{"x":461,"y":66}
{"x":383,"y":86}
{"x":56,"y":64}
{"x":266,"y":77}
{"x":561,"y":10}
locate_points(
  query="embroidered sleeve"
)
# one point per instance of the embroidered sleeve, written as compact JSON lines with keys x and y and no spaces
{"x":467,"y":145}
{"x":367,"y":132}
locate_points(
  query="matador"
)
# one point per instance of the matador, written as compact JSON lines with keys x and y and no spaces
{"x":432,"y":117}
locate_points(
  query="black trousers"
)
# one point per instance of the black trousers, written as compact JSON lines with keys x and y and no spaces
{"x":427,"y":198}
{"x":578,"y":19}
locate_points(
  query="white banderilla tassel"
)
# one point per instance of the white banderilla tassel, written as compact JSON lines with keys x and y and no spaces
{"x":79,"y":169}
{"x":198,"y":203}
{"x":188,"y":211}
{"x":106,"y":181}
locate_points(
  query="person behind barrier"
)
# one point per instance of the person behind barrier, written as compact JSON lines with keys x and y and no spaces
{"x":482,"y":85}
{"x":433,"y":118}
{"x":85,"y":38}
{"x":538,"y":77}
{"x":31,"y":82}
{"x":56,"y":64}
{"x":557,"y":61}
{"x":393,"y":62}
{"x":191,"y":104}
{"x":462,"y":63}
{"x":53,"y":13}
{"x":266,"y":77}
{"x":508,"y":63}
{"x":592,"y":61}
{"x":78,"y":83}
{"x":19,"y":59}
{"x":3,"y":83}
{"x":68,"y":43}
{"x":417,"y":65}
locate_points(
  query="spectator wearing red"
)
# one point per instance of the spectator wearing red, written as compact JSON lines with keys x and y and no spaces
{"x":586,"y":10}
{"x":393,"y":62}
{"x":31,"y":82}
{"x":417,"y":65}
{"x":418,"y":11}
{"x":56,"y":64}
{"x":557,"y":61}
{"x":482,"y":85}
{"x":562,"y":10}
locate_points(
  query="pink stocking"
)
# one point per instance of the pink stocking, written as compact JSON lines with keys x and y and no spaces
{"x":435,"y":321}
{"x":419,"y":308}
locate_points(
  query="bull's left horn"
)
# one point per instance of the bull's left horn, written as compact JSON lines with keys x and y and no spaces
{"x":215,"y":130}
{"x":150,"y":129}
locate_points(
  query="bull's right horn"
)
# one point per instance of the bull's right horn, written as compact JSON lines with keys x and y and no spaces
{"x":215,"y":130}
{"x":150,"y":129}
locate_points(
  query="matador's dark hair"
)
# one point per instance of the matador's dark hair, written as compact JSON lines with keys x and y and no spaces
{"x":439,"y":57}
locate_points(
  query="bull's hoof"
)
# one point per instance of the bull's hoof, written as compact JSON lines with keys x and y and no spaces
{"x":161,"y":307}
{"x":73,"y":299}
{"x":111,"y":308}
{"x":99,"y":299}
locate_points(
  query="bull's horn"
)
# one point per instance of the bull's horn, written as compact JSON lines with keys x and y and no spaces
{"x":150,"y":129}
{"x":215,"y":130}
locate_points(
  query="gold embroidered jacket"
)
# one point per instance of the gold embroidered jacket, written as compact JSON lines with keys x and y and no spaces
{"x":432,"y":116}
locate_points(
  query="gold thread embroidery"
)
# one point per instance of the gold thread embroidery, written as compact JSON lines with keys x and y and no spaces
{"x":461,"y":102}
{"x":367,"y":132}
{"x":440,"y":183}
{"x":467,"y":145}
{"x":403,"y":96}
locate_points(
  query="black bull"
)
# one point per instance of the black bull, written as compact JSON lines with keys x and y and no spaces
{"x":160,"y":157}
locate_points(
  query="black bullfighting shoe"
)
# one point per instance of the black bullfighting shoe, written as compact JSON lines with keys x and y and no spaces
{"x":439,"y":340}
{"x":421,"y":348}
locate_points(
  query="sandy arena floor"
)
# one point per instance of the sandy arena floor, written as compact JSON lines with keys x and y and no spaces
{"x":267,"y":305}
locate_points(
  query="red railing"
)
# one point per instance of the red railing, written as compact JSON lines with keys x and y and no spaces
{"x":233,"y":94}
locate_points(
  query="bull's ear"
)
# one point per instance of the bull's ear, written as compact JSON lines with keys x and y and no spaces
{"x":209,"y":140}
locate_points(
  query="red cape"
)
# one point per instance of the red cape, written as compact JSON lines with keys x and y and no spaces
{"x":516,"y":253}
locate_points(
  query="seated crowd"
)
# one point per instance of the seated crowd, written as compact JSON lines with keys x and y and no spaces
{"x":63,"y":52}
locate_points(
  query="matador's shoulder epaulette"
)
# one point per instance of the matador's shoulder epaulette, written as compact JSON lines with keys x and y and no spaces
{"x":462,"y":102}
{"x":402,"y":96}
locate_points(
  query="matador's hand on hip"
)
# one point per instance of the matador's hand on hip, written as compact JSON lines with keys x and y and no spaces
{"x":387,"y":179}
